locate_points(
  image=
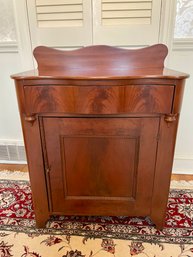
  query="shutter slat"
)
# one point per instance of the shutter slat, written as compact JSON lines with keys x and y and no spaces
{"x":60,"y":23}
{"x":59,"y":9}
{"x":59,"y":13}
{"x":126,"y":1}
{"x":59,"y":16}
{"x":126,"y":6}
{"x":125,"y":12}
{"x":126,"y":21}
{"x":57,"y":2}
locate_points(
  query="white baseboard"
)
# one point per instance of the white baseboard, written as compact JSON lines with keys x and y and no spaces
{"x":183,"y":164}
{"x":12,"y":162}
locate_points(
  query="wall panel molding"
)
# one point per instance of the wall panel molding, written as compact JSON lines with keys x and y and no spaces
{"x":184,"y":44}
{"x":9,"y":47}
{"x":23,"y":34}
{"x":167,"y":24}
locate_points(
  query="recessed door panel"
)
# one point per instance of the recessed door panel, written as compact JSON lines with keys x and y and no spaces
{"x":106,"y":165}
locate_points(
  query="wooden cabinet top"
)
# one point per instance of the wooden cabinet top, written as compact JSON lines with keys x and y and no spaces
{"x":101,"y":62}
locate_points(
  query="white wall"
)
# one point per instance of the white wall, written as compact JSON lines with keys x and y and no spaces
{"x":182,"y":60}
{"x":10,"y":128}
{"x":15,"y":56}
{"x":9,"y":63}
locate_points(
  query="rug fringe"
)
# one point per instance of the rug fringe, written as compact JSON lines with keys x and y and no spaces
{"x":14,"y":175}
{"x":181,"y":184}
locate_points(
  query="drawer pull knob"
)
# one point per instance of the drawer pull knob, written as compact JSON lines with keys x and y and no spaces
{"x":170,"y":118}
{"x":30,"y":119}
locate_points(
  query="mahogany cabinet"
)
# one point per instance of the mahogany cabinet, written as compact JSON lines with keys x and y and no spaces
{"x":99,"y":125}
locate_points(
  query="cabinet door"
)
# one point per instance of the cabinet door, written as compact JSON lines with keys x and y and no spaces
{"x":100,"y":166}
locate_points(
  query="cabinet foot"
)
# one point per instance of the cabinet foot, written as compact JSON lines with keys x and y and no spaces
{"x":159,"y":223}
{"x":41,"y":222}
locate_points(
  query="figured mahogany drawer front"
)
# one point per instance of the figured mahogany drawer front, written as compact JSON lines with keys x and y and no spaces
{"x":99,"y":99}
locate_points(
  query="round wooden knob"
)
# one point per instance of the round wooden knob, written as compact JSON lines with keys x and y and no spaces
{"x":170,"y":118}
{"x":30,"y":119}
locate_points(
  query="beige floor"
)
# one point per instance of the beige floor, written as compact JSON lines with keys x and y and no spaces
{"x":24,"y":168}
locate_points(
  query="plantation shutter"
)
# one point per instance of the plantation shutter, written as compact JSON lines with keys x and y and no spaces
{"x":75,"y":23}
{"x":126,"y":22}
{"x":60,"y":23}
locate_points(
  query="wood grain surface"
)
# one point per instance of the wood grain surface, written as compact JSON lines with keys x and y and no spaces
{"x":97,"y":100}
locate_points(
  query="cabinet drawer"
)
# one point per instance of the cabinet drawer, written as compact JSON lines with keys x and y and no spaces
{"x":99,"y":99}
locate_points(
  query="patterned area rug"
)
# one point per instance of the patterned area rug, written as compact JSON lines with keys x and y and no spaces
{"x":71,"y":236}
